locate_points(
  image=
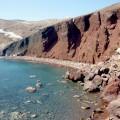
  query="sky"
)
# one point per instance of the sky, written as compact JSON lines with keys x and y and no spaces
{"x":35,"y":10}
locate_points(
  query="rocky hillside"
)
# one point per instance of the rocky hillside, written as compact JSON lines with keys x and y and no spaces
{"x":25,"y":28}
{"x":90,"y":38}
{"x":14,"y":30}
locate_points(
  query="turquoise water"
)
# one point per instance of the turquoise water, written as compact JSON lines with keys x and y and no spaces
{"x":53,"y":101}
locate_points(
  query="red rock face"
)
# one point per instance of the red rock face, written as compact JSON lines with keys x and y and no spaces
{"x":90,"y":38}
{"x":111,"y":91}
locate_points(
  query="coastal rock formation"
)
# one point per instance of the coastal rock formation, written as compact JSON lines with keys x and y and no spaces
{"x":114,"y":109}
{"x":90,"y":38}
{"x":111,"y":91}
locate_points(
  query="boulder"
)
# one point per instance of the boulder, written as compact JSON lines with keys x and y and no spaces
{"x":118,"y":51}
{"x":2,"y":114}
{"x":93,"y":85}
{"x":90,"y":76}
{"x":97,"y":80}
{"x":90,"y":86}
{"x":66,"y":76}
{"x":76,"y":75}
{"x":31,"y":89}
{"x":111,"y":91}
{"x":114,"y":109}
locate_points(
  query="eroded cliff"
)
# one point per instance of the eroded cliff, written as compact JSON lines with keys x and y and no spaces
{"x":90,"y":38}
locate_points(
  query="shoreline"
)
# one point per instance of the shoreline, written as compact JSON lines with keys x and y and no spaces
{"x":67,"y":64}
{"x":56,"y":62}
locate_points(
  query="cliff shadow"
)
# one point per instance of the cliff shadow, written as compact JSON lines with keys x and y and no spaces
{"x":49,"y":37}
{"x":74,"y":36}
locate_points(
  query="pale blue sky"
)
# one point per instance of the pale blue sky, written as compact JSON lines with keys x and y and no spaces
{"x":46,"y":9}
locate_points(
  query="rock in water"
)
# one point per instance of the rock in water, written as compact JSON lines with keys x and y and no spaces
{"x":33,"y":116}
{"x":2,"y":114}
{"x":18,"y":116}
{"x":38,"y":84}
{"x":31,"y":89}
{"x":76,"y":96}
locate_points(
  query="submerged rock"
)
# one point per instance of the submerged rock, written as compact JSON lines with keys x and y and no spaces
{"x":32,"y":76}
{"x":18,"y":116}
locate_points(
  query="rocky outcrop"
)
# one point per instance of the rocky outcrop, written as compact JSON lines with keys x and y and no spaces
{"x":114,"y":109}
{"x":90,"y":38}
{"x":111,"y":91}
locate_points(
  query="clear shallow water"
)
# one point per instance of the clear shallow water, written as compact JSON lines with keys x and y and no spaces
{"x":54,"y":101}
